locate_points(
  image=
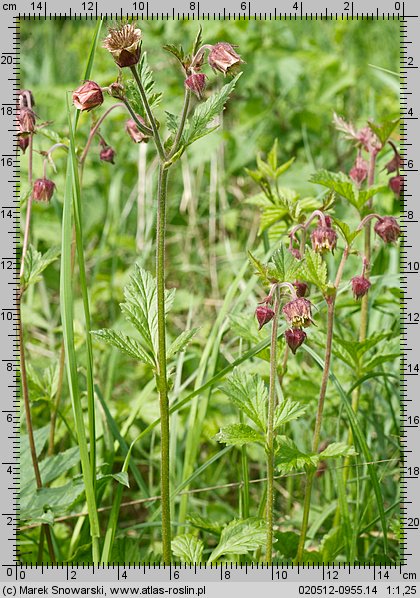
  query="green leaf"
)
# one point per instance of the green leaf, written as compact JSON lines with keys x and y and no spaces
{"x":238,"y":434}
{"x":290,"y":458}
{"x":57,"y":500}
{"x":188,"y":548}
{"x":140,"y":307}
{"x":126,"y":344}
{"x":365,"y":195}
{"x":249,"y":394}
{"x":379,"y":360}
{"x":338,"y":182}
{"x":146,"y":77}
{"x":240,"y":537}
{"x":181,"y":342}
{"x":205,"y":523}
{"x":206,"y":112}
{"x":198,"y":42}
{"x":337,"y":449}
{"x":314,"y":270}
{"x":346,"y":231}
{"x":176,"y":51}
{"x":262,"y":270}
{"x":122,"y":478}
{"x":284,"y":265}
{"x":384,"y":129}
{"x":36,"y":262}
{"x":283,"y":167}
{"x":286,"y":412}
{"x":172,"y":122}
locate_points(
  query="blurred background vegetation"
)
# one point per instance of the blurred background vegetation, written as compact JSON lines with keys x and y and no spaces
{"x":295,"y":76}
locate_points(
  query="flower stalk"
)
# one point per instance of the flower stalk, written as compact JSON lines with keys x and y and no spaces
{"x":272,"y":400}
{"x":330,"y":299}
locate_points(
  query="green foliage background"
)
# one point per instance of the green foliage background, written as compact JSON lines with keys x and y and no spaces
{"x":295,"y":76}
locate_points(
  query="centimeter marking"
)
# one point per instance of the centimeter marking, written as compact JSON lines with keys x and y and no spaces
{"x":8,"y":266}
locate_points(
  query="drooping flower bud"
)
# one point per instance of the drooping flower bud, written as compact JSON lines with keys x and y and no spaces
{"x":264,"y":314}
{"x":116,"y":90}
{"x":301,"y":288}
{"x":388,"y":229}
{"x":43,"y":190}
{"x":132,"y":129}
{"x":26,"y":119}
{"x":23,"y":142}
{"x":324,"y":238}
{"x":294,"y":338}
{"x":360,"y":286}
{"x":196,"y":83}
{"x":396,"y":184}
{"x":298,"y":312}
{"x":88,"y":96}
{"x":124,"y":44}
{"x":223,"y":58}
{"x":359,"y":171}
{"x":394,"y":164}
{"x":107,"y":154}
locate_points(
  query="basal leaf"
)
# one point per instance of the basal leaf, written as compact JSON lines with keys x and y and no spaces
{"x":126,"y":344}
{"x":238,"y":434}
{"x":188,"y":548}
{"x":286,"y":412}
{"x":240,"y":537}
{"x":249,"y":394}
{"x":181,"y":342}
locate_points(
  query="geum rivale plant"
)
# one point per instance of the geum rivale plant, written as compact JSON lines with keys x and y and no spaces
{"x":146,"y":299}
{"x":291,"y":271}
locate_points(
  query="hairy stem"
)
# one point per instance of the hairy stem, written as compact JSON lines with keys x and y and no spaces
{"x":150,"y":116}
{"x":161,"y":374}
{"x":322,"y":393}
{"x":272,"y":399}
{"x":364,"y":312}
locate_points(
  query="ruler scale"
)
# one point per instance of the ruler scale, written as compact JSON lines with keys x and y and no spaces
{"x":389,"y":580}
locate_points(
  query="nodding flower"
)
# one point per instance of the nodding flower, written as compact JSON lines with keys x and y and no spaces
{"x":223,"y":58}
{"x":264,"y":314}
{"x":324,"y":237}
{"x":298,"y":312}
{"x":360,"y":286}
{"x":388,"y":229}
{"x":88,"y":96}
{"x":43,"y":190}
{"x":294,"y":338}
